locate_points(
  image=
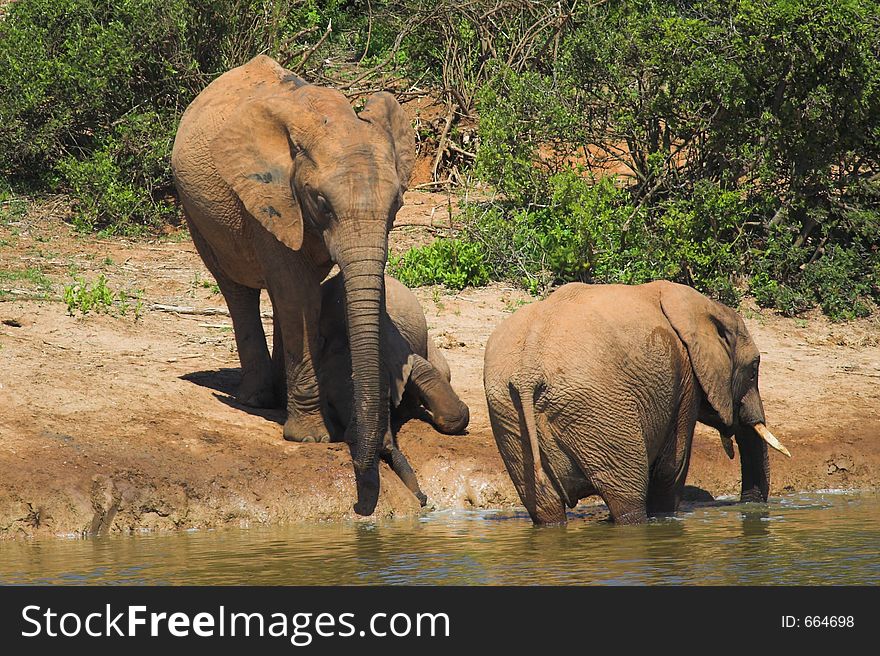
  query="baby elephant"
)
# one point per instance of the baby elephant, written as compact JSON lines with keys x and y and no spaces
{"x":417,"y":372}
{"x":596,"y":390}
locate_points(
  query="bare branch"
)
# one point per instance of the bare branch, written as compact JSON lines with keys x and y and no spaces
{"x":318,"y":44}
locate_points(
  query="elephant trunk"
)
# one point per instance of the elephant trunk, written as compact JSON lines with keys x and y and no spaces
{"x":448,"y":413}
{"x":754,"y":463}
{"x":362,"y":268}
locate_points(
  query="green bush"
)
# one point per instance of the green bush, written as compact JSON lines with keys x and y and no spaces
{"x":122,"y":185}
{"x":733,"y":145}
{"x":593,"y":233}
{"x":839,"y":292}
{"x":451,"y":262}
{"x":93,"y":90}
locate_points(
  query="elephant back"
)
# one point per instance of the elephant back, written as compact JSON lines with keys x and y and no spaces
{"x":407,"y":315}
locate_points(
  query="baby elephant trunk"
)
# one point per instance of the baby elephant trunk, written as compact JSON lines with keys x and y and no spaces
{"x":400,"y":466}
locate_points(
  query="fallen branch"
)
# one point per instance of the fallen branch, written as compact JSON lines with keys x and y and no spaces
{"x":285,"y":61}
{"x":183,"y":309}
{"x":25,"y":295}
{"x":416,"y":225}
{"x":460,"y":151}
{"x":435,"y":183}
{"x":402,"y":96}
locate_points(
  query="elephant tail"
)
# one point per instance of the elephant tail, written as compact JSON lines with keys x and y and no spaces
{"x":527,"y":402}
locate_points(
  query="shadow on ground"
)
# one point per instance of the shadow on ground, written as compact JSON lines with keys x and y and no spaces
{"x":225,"y":381}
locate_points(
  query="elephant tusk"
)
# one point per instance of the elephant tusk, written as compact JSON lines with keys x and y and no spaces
{"x":727,"y":443}
{"x":768,"y":437}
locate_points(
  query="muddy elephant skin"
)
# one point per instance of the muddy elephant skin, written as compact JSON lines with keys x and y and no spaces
{"x":597,"y":389}
{"x":279,"y":180}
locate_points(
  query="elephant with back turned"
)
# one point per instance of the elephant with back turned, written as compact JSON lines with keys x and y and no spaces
{"x":279,"y":180}
{"x":597,"y":389}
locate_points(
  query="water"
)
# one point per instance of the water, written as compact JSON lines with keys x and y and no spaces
{"x":817,"y":538}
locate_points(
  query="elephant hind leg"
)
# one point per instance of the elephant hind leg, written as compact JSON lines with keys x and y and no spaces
{"x":256,"y":388}
{"x":625,"y":510}
{"x":615,"y":465}
{"x":542,"y":501}
{"x":670,"y":469}
{"x":666,"y":488}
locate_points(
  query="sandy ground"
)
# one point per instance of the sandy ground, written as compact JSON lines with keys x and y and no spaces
{"x":110,"y":423}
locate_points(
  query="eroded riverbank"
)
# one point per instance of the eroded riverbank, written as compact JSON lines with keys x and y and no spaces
{"x":112,"y":425}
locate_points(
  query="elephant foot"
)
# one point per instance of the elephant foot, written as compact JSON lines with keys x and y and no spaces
{"x":305,"y":429}
{"x":638,"y":516}
{"x":753,"y":495}
{"x":257,"y":392}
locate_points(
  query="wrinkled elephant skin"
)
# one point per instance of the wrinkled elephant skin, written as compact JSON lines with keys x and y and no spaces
{"x":279,"y":180}
{"x":597,"y":389}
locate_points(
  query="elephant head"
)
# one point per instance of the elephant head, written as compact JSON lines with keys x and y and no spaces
{"x":725,"y":361}
{"x":302,"y":161}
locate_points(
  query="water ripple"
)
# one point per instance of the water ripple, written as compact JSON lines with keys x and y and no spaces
{"x":819,"y":538}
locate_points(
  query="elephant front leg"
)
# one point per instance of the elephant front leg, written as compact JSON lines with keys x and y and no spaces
{"x":279,"y":363}
{"x":256,"y":388}
{"x":296,"y":310}
{"x":305,"y":421}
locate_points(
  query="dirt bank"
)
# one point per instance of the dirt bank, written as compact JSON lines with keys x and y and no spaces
{"x":108,"y":423}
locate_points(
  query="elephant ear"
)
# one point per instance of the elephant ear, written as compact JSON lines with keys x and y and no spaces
{"x":383,"y":111}
{"x":397,"y":358}
{"x":708,"y":331}
{"x":254,"y":155}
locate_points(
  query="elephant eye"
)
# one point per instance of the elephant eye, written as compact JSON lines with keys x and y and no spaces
{"x":323,"y":206}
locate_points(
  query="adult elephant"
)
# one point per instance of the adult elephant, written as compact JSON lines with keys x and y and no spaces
{"x":279,"y":179}
{"x":596,"y":390}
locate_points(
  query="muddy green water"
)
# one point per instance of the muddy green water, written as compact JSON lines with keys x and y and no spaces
{"x":817,"y":538}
